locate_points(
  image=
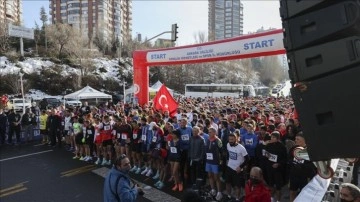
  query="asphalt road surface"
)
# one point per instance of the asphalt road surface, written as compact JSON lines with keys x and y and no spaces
{"x":37,"y":173}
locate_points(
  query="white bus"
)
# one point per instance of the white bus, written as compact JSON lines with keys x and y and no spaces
{"x":219,"y":90}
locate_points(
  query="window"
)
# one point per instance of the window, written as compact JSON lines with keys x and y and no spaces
{"x":228,"y":4}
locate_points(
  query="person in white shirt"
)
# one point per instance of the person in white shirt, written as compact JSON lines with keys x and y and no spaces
{"x":237,"y":160}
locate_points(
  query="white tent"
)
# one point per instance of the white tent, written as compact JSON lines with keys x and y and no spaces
{"x":88,"y":93}
{"x":158,"y":85}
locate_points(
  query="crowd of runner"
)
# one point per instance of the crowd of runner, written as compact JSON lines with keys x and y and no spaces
{"x":214,"y":141}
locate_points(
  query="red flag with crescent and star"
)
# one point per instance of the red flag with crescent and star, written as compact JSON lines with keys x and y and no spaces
{"x":164,"y":101}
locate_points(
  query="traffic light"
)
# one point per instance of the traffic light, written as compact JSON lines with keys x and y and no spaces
{"x":174,"y":32}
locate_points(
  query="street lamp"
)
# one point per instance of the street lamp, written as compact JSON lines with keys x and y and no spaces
{"x":22,"y":90}
{"x":124,"y":83}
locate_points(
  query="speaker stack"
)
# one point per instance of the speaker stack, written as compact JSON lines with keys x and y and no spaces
{"x":322,"y":40}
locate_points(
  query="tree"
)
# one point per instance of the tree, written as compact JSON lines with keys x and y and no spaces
{"x":272,"y":72}
{"x":78,"y":52}
{"x":44,"y":19}
{"x":37,"y":37}
{"x":60,"y":35}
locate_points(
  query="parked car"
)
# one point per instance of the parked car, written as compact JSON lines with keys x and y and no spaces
{"x":49,"y":102}
{"x":71,"y":102}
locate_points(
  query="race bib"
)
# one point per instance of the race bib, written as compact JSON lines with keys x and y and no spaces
{"x":209,"y":156}
{"x":117,"y":135}
{"x":154,"y":139}
{"x":249,"y":141}
{"x":185,"y":137}
{"x":232,"y":155}
{"x":273,"y":157}
{"x":107,"y":128}
{"x":123,"y":136}
{"x":173,"y":150}
{"x":89,"y":132}
{"x":134,"y":135}
{"x":143,"y":137}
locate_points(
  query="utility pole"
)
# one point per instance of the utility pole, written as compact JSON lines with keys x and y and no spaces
{"x":22,"y":89}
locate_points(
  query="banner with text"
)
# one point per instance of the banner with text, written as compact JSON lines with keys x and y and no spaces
{"x":242,"y":46}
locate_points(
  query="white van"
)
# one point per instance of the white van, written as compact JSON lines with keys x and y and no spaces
{"x":18,"y":103}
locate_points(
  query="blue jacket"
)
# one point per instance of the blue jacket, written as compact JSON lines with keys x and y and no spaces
{"x":250,"y":141}
{"x":117,"y":187}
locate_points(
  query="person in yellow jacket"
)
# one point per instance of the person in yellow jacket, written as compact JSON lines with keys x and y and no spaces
{"x":43,"y":124}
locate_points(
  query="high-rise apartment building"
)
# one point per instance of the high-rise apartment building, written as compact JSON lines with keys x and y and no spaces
{"x":10,"y":11}
{"x":226,"y":19}
{"x":110,"y":19}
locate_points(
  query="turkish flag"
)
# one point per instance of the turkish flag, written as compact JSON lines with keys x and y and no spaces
{"x":164,"y":101}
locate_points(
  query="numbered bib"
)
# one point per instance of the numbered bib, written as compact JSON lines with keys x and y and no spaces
{"x":154,"y":139}
{"x":173,"y":150}
{"x":123,"y":136}
{"x":143,"y":137}
{"x":248,"y":141}
{"x":232,"y":155}
{"x":134,"y":135}
{"x":117,"y":135}
{"x":273,"y":157}
{"x":209,"y":156}
{"x":89,"y":132}
{"x":185,"y":137}
{"x":107,"y":128}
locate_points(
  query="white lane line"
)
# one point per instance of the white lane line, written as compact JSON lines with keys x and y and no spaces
{"x":16,"y":157}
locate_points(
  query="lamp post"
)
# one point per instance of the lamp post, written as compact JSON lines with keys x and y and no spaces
{"x":124,"y":83}
{"x":22,"y":90}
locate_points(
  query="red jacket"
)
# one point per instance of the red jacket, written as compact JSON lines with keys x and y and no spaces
{"x":258,"y":193}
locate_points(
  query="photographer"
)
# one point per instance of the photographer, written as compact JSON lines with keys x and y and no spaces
{"x":118,"y":186}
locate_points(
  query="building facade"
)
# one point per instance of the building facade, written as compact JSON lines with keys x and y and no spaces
{"x":10,"y":11}
{"x":226,"y":19}
{"x":164,"y":43}
{"x":109,"y":19}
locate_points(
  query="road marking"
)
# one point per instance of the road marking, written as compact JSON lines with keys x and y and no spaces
{"x":77,"y":171}
{"x":12,"y":190}
{"x":16,"y":157}
{"x":41,"y":144}
{"x":150,"y":193}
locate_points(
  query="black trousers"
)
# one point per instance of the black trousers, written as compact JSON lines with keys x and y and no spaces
{"x":197,"y":170}
{"x":355,"y":179}
{"x":184,"y":163}
{"x":2,"y":135}
{"x":17,"y":131}
{"x":53,"y":136}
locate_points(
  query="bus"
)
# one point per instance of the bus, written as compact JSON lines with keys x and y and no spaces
{"x":219,"y":90}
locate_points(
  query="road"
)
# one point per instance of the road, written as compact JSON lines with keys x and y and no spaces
{"x":36,"y":173}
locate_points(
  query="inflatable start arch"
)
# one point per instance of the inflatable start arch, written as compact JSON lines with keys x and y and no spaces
{"x":247,"y":46}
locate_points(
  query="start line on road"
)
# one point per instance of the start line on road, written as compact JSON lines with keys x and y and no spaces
{"x":21,"y":156}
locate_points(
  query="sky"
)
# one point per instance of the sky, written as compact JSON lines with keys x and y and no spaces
{"x":151,"y":18}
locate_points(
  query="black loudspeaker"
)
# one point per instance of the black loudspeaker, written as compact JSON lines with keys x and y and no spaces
{"x":322,"y":40}
{"x":329,"y":112}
